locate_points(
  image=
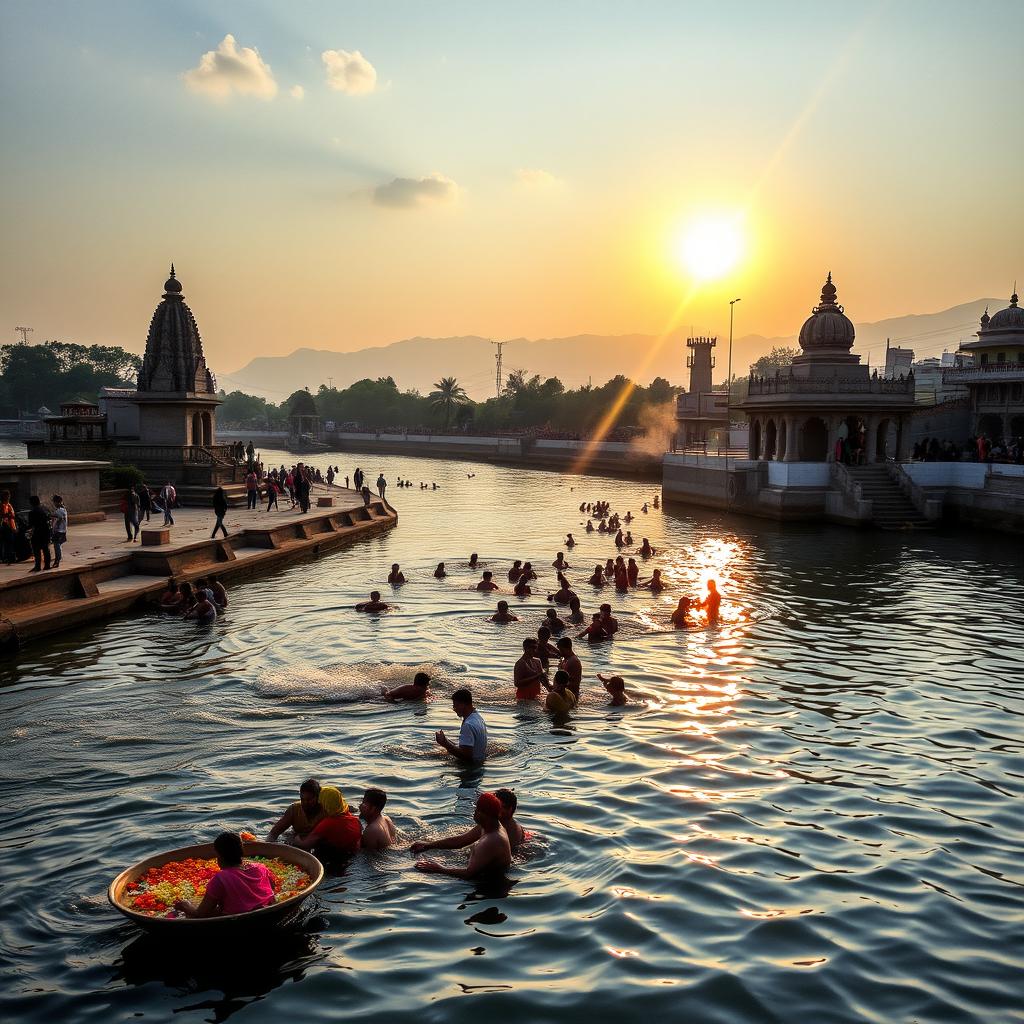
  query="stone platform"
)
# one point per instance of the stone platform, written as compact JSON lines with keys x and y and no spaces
{"x":102,"y":575}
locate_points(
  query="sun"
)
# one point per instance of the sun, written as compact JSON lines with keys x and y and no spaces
{"x":710,"y":247}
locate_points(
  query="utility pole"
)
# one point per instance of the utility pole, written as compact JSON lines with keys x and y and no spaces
{"x":330,"y":383}
{"x":24,"y":332}
{"x":497,"y":375}
{"x":728,"y":382}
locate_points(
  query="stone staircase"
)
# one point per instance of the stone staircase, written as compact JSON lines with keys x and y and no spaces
{"x":891,"y":509}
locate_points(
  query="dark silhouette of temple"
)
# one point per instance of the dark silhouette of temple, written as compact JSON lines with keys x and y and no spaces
{"x":167,"y":426}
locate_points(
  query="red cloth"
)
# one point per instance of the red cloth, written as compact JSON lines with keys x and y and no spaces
{"x":342,"y":833}
{"x":241,"y":889}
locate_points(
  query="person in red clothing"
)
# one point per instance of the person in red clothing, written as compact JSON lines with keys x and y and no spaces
{"x":338,"y":833}
{"x":237,"y":888}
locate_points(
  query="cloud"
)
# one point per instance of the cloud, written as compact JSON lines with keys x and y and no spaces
{"x":534,"y":177}
{"x":348,"y":72}
{"x":296,"y":92}
{"x":405,"y":193}
{"x":229,"y":69}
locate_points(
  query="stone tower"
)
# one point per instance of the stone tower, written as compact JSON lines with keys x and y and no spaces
{"x":174,"y":360}
{"x":177,"y":394}
{"x":701,"y":362}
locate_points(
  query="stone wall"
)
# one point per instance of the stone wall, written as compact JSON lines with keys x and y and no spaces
{"x":77,"y":483}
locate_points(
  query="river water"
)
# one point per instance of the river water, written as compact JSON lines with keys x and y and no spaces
{"x":812,"y":811}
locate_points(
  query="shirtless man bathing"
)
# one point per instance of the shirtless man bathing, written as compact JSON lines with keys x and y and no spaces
{"x":491,"y":853}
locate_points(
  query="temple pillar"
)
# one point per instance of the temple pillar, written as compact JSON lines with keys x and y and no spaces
{"x":751,"y":436}
{"x":871,"y":437}
{"x":792,"y":441}
{"x":832,"y":423}
{"x":902,"y":437}
{"x":764,"y":456}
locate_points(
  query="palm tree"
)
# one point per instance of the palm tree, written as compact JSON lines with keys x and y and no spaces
{"x":449,"y":392}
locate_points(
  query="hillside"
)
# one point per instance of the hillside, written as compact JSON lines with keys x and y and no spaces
{"x":418,"y":362}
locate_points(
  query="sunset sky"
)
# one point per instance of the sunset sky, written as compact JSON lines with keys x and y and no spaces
{"x":337,"y":175}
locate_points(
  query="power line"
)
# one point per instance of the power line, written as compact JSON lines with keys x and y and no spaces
{"x":24,"y":332}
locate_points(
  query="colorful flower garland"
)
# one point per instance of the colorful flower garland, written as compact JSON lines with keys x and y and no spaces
{"x":155,"y":893}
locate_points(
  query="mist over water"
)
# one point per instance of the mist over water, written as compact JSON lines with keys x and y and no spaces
{"x":812,"y":811}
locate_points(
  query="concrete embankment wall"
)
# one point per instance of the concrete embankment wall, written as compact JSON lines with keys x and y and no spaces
{"x":973,"y":492}
{"x":581,"y":456}
{"x":796,"y":492}
{"x":114,"y":581}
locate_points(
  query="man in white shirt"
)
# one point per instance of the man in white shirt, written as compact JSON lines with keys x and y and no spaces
{"x":168,"y":496}
{"x":472,"y":745}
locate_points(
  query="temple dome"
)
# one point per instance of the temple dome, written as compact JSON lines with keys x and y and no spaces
{"x":172,"y":286}
{"x":1011,"y":318}
{"x":828,"y":327}
{"x":174,"y":360}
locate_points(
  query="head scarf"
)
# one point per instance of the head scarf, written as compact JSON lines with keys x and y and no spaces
{"x":332,"y":801}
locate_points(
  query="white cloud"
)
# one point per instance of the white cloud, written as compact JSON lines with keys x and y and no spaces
{"x":348,"y":72}
{"x":296,"y":92}
{"x":229,"y":69}
{"x":534,"y":177}
{"x":405,"y":193}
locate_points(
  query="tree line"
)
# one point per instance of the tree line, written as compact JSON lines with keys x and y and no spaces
{"x":55,"y":372}
{"x":526,"y":402}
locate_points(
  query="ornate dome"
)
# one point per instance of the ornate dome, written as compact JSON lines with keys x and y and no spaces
{"x":827,"y":327}
{"x":172,"y":286}
{"x":174,"y":360}
{"x":1011,"y":318}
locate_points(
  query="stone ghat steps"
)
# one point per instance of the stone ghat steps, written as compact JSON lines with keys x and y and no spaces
{"x":62,"y":599}
{"x":891,"y":509}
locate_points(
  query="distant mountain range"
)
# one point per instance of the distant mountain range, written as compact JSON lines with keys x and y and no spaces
{"x":418,"y":362}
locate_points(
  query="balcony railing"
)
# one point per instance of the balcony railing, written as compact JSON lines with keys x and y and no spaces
{"x":990,"y":372}
{"x":873,"y":385}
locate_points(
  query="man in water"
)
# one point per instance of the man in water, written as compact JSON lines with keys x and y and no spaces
{"x":515,"y":832}
{"x":396,"y":577}
{"x":528,"y":672}
{"x":610,"y":623}
{"x":486,"y":583}
{"x":503,"y":614}
{"x":380,"y":831}
{"x":418,"y":689}
{"x":571,"y":664}
{"x":711,"y":602}
{"x":616,"y":687}
{"x":472,"y":745}
{"x":375,"y":604}
{"x":491,"y":855}
{"x":303,"y":815}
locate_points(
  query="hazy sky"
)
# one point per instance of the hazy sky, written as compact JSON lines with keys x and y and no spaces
{"x":337,"y":175}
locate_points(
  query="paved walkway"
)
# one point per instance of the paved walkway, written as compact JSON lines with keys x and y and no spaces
{"x":96,"y":542}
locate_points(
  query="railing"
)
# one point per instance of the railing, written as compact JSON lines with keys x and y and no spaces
{"x":844,"y":480}
{"x":990,"y":371}
{"x":788,"y":385}
{"x":930,"y":508}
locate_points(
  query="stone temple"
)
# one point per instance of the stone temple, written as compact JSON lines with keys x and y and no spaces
{"x":828,"y":397}
{"x":167,"y":426}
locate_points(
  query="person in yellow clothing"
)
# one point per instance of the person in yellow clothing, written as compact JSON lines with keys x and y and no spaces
{"x":303,"y":815}
{"x":560,"y":698}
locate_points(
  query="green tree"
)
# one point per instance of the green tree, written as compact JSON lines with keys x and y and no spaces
{"x":778,"y":359}
{"x":449,"y":393}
